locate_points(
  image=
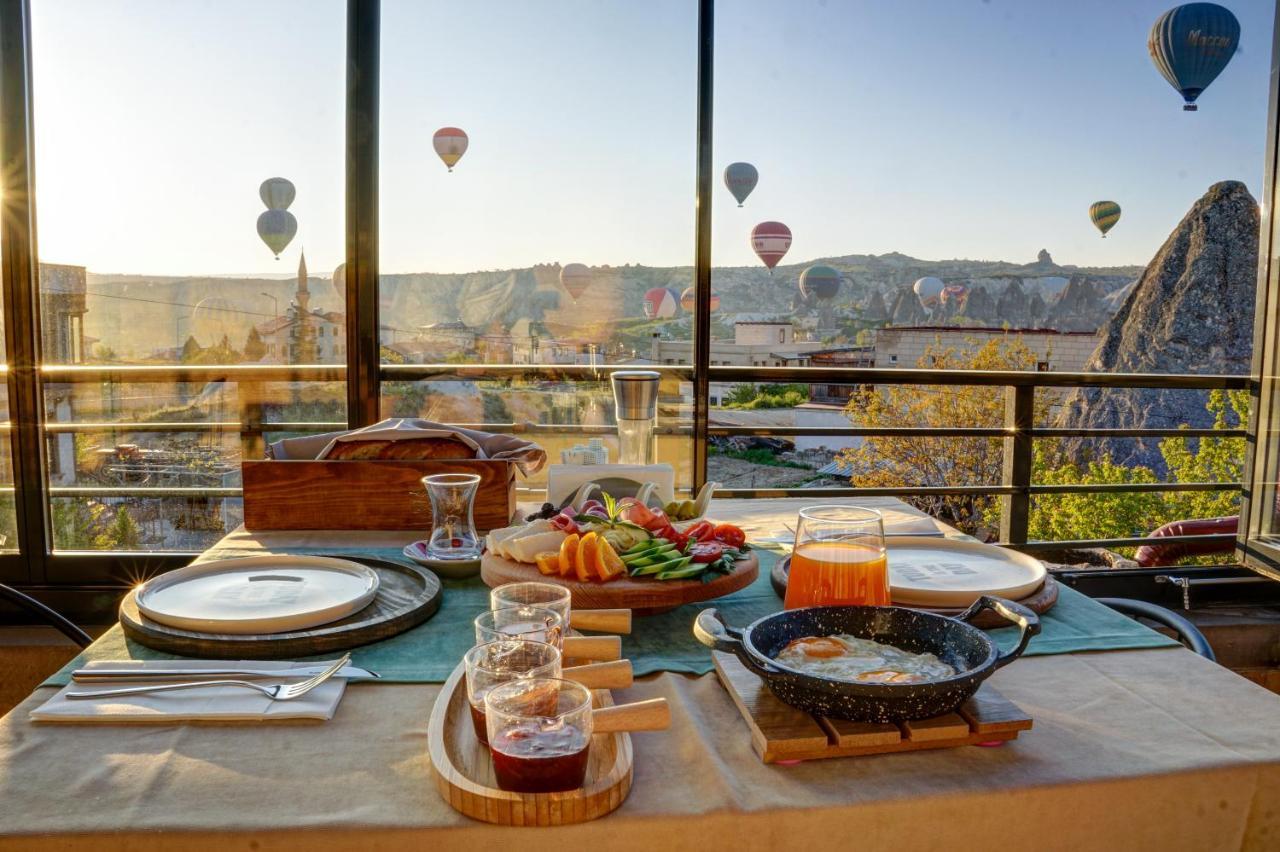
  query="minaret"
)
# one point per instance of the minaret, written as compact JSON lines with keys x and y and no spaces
{"x":304,"y":334}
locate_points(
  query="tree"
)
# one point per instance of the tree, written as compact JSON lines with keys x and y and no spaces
{"x":254,"y":348}
{"x":122,"y":534}
{"x":888,"y":461}
{"x":1209,"y":460}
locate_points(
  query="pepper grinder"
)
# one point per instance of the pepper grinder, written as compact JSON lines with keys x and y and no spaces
{"x":635,"y":399}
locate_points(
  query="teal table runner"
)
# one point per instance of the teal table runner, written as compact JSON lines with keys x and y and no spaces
{"x":429,"y":652}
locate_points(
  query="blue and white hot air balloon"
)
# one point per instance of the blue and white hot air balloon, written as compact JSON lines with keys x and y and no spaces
{"x":1190,"y":46}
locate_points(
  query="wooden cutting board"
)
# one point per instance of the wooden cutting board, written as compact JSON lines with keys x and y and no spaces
{"x":642,"y":594}
{"x":464,"y":770}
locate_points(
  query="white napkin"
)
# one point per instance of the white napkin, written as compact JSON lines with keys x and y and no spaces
{"x":203,"y":704}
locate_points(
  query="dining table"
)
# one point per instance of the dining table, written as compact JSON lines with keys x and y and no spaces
{"x":1138,"y":748}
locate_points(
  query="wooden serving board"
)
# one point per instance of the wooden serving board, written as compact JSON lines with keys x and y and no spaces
{"x":780,"y":732}
{"x":407,"y":596}
{"x":464,"y":770}
{"x":642,"y":594}
{"x":367,"y":495}
{"x":1040,"y":601}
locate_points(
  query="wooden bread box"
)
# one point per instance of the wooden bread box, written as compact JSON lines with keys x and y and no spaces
{"x":367,"y":495}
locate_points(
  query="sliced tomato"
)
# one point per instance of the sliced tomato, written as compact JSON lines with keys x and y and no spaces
{"x":729,"y":535}
{"x":701,"y":530}
{"x":679,"y":539}
{"x":706,"y":551}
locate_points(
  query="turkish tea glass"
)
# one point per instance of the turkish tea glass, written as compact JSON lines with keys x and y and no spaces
{"x":497,"y":662}
{"x":539,"y":734}
{"x":520,"y":622}
{"x":547,"y":595}
{"x":453,"y":530}
{"x":839,"y":559}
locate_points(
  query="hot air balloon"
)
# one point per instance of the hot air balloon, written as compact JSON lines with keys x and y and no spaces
{"x":741,"y":178}
{"x":215,"y":318}
{"x":277,"y":193}
{"x":450,"y":143}
{"x":954,"y":293}
{"x":688,"y":300}
{"x":1190,"y":46}
{"x":770,"y":241}
{"x":928,"y":290}
{"x":660,"y":303}
{"x":575,"y":278}
{"x":277,"y":229}
{"x":1104,"y":214}
{"x":820,"y":282}
{"x":340,"y":282}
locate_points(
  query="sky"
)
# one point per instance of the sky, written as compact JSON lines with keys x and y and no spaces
{"x":937,"y":128}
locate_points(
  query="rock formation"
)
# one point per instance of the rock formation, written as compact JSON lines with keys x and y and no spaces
{"x":1080,"y":307}
{"x":1043,"y":258}
{"x":1191,"y":311}
{"x":980,"y":307}
{"x":906,"y":309}
{"x":876,"y":310}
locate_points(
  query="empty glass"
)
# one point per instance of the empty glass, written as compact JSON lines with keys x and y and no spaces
{"x":520,"y":622}
{"x":539,"y":734}
{"x":453,"y":531}
{"x":497,"y":662}
{"x":546,"y":595}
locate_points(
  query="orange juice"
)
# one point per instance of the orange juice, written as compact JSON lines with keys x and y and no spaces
{"x":837,"y":573}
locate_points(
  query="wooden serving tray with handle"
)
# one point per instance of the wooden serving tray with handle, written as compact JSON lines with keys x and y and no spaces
{"x":464,"y":769}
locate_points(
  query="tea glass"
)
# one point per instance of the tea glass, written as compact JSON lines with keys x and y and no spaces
{"x":545,"y":595}
{"x":453,"y":529}
{"x":539,"y":733}
{"x":497,"y":662}
{"x":520,"y":622}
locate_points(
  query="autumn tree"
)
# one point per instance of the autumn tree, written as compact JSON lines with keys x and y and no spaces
{"x":897,"y":460}
{"x":254,"y":348}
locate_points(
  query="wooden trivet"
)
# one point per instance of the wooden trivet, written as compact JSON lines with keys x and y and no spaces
{"x":780,"y":732}
{"x":407,"y":596}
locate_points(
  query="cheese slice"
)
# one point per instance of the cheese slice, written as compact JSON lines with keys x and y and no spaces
{"x":525,"y":548}
{"x":499,"y":539}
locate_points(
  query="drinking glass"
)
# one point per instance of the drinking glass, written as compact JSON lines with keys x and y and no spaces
{"x":539,"y":734}
{"x":546,"y":595}
{"x":839,"y":559}
{"x":520,"y":622}
{"x":497,"y":662}
{"x":453,"y":531}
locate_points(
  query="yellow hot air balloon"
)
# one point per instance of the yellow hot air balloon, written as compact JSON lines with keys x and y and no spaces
{"x":1104,"y":215}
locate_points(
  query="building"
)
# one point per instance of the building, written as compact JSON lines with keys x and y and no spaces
{"x":768,"y":343}
{"x":905,"y":346}
{"x":303,"y":335}
{"x":62,"y":339}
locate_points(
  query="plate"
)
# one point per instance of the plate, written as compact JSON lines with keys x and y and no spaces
{"x":933,"y":572}
{"x":258,"y":594}
{"x":454,"y":569}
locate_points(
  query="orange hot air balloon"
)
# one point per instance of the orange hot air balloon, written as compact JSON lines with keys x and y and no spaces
{"x":575,"y":278}
{"x":688,"y":300}
{"x":450,"y":144}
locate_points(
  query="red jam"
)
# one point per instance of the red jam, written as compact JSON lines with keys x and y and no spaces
{"x":528,"y":759}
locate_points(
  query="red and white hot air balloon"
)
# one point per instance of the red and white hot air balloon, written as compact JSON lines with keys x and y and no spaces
{"x":770,"y":241}
{"x":660,"y":303}
{"x":450,"y":144}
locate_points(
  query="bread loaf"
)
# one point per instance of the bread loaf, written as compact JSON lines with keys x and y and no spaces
{"x":408,"y":449}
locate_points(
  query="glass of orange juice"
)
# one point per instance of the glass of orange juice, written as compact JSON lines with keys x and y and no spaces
{"x":839,"y":559}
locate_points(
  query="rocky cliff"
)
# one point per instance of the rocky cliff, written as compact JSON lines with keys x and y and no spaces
{"x":1191,"y":311}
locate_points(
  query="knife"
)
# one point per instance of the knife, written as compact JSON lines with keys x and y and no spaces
{"x":102,"y":675}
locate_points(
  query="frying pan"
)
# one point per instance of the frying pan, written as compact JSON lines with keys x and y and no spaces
{"x":972,"y":653}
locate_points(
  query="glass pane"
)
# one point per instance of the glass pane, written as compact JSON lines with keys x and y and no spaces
{"x":564,"y":233}
{"x":187,"y":154}
{"x":942,"y":208}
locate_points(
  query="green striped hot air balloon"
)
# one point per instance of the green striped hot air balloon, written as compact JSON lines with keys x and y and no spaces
{"x":1104,"y":214}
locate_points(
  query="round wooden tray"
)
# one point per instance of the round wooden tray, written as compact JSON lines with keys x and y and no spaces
{"x":464,"y":770}
{"x":1039,"y":601}
{"x":407,"y":596}
{"x":643,"y":594}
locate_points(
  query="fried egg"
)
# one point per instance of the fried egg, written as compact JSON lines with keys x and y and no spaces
{"x":845,"y":657}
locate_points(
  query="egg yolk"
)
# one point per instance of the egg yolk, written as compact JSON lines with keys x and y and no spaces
{"x":819,"y":647}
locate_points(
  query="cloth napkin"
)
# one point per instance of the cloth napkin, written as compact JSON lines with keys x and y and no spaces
{"x":529,"y":457}
{"x":205,"y":704}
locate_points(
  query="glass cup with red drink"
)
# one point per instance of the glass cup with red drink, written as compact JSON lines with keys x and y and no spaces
{"x":539,"y":733}
{"x":497,"y":662}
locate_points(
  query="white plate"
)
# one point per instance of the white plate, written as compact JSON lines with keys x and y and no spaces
{"x":258,"y":594}
{"x":926,"y":571}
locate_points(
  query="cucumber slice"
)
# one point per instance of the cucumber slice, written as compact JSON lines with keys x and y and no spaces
{"x":658,"y":567}
{"x":643,"y":546}
{"x":651,"y":556}
{"x":684,"y":573}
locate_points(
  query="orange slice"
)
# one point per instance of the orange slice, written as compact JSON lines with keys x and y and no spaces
{"x":568,"y":554}
{"x":608,"y":563}
{"x":587,"y":549}
{"x":548,"y":562}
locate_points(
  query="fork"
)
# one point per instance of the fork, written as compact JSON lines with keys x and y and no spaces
{"x":276,"y":691}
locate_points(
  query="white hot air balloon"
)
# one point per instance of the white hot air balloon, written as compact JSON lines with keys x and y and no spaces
{"x":277,"y":193}
{"x":277,"y":228}
{"x":928,"y":290}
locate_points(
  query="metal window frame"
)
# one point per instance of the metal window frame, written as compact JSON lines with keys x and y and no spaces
{"x":62,"y":573}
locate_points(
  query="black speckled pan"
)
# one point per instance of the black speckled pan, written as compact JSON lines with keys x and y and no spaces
{"x":972,"y":653}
